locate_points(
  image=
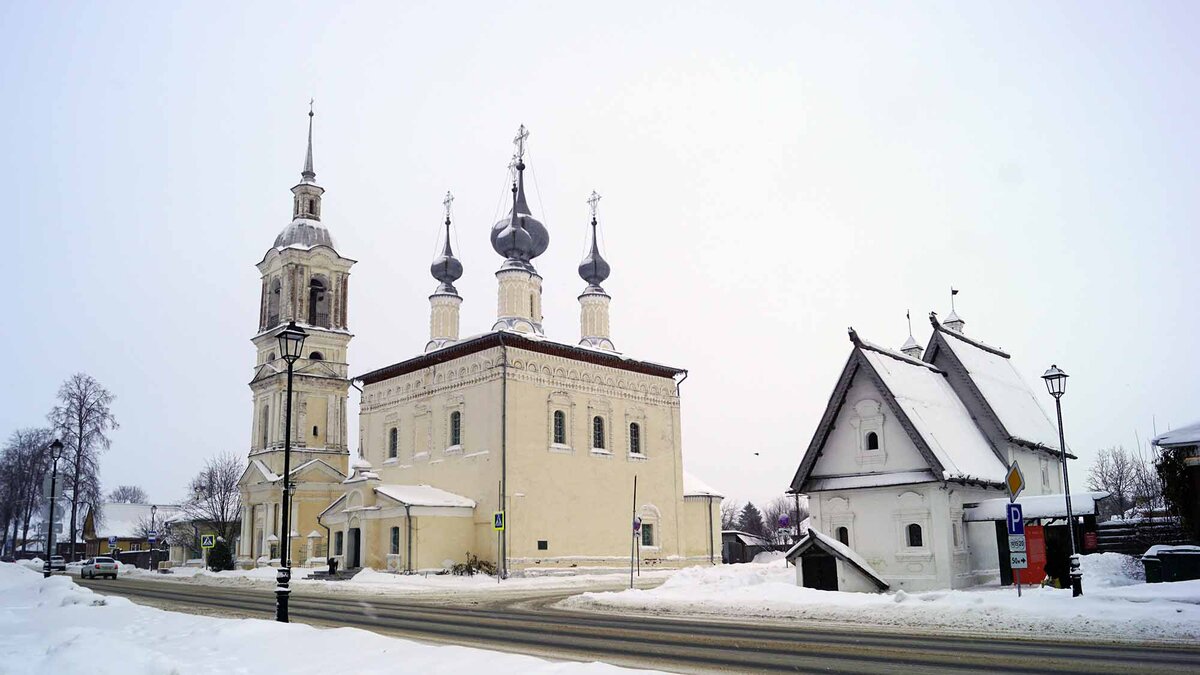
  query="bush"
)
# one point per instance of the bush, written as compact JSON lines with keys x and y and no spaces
{"x":220,"y":558}
{"x":473,"y":566}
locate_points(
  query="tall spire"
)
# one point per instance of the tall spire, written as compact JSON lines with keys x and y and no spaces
{"x":308,"y":174}
{"x":593,"y":302}
{"x":446,"y":268}
{"x":594,"y":269}
{"x":954,"y":322}
{"x":539,"y":238}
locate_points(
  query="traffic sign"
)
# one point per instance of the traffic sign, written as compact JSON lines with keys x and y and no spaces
{"x":1016,"y":543}
{"x":1014,"y":480}
{"x":498,"y":520}
{"x":208,"y":540}
{"x":152,"y":536}
{"x":1018,"y":561}
{"x":112,"y":541}
{"x":1016,"y":519}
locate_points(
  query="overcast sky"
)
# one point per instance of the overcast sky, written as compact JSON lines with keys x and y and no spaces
{"x":771,"y":173}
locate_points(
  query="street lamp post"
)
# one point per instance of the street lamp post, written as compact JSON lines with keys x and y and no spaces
{"x":291,"y":345}
{"x":55,"y":453}
{"x":153,"y":535}
{"x":1056,"y":384}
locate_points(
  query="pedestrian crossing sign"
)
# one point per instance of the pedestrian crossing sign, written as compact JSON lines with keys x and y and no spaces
{"x":208,"y":540}
{"x":498,"y":521}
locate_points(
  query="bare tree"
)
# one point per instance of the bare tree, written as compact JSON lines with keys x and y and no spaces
{"x":1114,"y":472}
{"x":729,"y":514}
{"x":214,"y":497}
{"x":128,"y":494}
{"x":796,"y":510}
{"x":24,"y":463}
{"x":83,"y":418}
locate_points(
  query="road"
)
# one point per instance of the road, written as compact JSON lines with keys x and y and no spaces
{"x":531,"y":626}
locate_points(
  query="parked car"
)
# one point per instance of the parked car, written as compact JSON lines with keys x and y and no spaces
{"x":98,"y":567}
{"x":57,"y":562}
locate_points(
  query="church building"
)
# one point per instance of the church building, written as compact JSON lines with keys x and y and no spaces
{"x":505,"y":445}
{"x":905,"y":472}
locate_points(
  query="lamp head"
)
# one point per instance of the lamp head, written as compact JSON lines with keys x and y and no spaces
{"x":291,"y":342}
{"x":56,"y":449}
{"x":1056,"y":381}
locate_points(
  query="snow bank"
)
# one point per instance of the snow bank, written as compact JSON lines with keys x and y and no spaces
{"x":1115,"y":605}
{"x":769,"y":557}
{"x":54,"y":626}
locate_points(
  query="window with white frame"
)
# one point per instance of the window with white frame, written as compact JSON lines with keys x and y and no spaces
{"x":648,"y":534}
{"x":598,"y":433}
{"x":560,"y":416}
{"x":560,"y":428}
{"x":393,"y":442}
{"x":843,"y":535}
{"x":456,"y":428}
{"x":635,"y":438}
{"x":867,"y":417}
{"x":913,"y":536}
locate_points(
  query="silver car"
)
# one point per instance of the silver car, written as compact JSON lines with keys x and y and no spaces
{"x":98,"y":567}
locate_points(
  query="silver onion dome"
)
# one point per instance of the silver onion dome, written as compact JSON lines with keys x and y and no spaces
{"x":535,"y":238}
{"x":594,"y":269}
{"x":446,"y":268}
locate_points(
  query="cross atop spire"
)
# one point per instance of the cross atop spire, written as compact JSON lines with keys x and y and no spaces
{"x":910,"y":348}
{"x":519,"y":141}
{"x":446,"y":205}
{"x":308,"y":174}
{"x":594,"y":202}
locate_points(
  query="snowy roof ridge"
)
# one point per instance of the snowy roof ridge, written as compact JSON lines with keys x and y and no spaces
{"x":971,"y":341}
{"x":423,"y":495}
{"x":1185,"y":435}
{"x":694,"y":487}
{"x":866,"y":344}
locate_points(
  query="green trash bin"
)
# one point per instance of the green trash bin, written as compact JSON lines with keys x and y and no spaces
{"x":1179,"y":563}
{"x":1153,"y":569}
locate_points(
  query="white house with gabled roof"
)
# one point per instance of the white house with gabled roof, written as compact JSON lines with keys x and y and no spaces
{"x":910,"y":441}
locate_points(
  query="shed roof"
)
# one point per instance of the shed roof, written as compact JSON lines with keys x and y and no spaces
{"x":1035,"y":506}
{"x":423,"y":495}
{"x":815,"y":538}
{"x":1189,"y":435}
{"x":694,"y":487}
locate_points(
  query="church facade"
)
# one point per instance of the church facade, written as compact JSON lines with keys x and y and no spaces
{"x":507,"y":445}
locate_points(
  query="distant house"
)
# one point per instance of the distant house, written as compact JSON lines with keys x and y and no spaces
{"x":123,"y":527}
{"x":1185,"y":442}
{"x":910,"y":450}
{"x":741,"y":547}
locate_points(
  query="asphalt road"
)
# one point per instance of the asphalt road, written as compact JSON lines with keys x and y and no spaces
{"x":530,"y":626}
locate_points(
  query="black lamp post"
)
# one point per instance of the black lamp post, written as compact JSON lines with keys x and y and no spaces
{"x":291,"y":345}
{"x":56,"y":449}
{"x":1056,"y":384}
{"x":153,"y":535}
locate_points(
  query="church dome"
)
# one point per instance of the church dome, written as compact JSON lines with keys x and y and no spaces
{"x":446,"y":268}
{"x":304,"y":233}
{"x":522,"y":237}
{"x":594,"y":269}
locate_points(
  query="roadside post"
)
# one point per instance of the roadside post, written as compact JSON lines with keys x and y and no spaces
{"x":1014,"y":517}
{"x":498,"y":526}
{"x":207,"y":541}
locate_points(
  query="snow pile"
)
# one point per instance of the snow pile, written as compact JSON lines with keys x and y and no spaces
{"x":769,"y":557}
{"x":1114,"y":606}
{"x":54,"y":626}
{"x":1111,"y":570}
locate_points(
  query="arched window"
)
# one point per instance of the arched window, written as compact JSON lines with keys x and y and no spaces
{"x":318,"y":302}
{"x":560,"y":427}
{"x":312,"y":208}
{"x":598,"y":432}
{"x":393,"y":442}
{"x":456,"y":428}
{"x":914,"y":535}
{"x":872,"y":441}
{"x":271,"y":356}
{"x":273,"y":303}
{"x":635,"y":438}
{"x":316,"y":356}
{"x":843,"y":535}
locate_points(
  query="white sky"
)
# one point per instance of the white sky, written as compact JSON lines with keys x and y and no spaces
{"x":772,"y":174}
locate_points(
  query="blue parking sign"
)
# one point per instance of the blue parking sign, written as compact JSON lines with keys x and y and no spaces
{"x":1016,"y":519}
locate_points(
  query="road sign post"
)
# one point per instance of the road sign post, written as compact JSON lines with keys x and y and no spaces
{"x":1014,"y":517}
{"x":207,"y":541}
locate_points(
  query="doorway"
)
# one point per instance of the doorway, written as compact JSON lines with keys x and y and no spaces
{"x":354,"y":549}
{"x":819,"y":570}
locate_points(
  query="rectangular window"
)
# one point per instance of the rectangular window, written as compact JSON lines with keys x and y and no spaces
{"x":395,"y":541}
{"x":393,"y":442}
{"x":337,"y":542}
{"x":543,"y":545}
{"x":135,"y":546}
{"x":560,"y":427}
{"x":647,"y":534}
{"x":598,"y":433}
{"x":456,"y":428}
{"x":635,"y":438}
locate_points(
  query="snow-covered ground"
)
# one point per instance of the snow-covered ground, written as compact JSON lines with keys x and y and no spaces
{"x":386,"y":583}
{"x":1117,"y":604}
{"x":55,"y":626}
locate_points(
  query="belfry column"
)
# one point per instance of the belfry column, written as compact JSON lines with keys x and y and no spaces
{"x":594,"y":301}
{"x":445,"y":302}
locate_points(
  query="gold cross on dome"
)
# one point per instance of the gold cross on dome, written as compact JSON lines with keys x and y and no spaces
{"x":593,"y":201}
{"x":447,"y":202}
{"x":519,"y":141}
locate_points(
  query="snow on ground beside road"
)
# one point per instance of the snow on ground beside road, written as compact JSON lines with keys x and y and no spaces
{"x":1115,"y":607}
{"x":54,"y":626}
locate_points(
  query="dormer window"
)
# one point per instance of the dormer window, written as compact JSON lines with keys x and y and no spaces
{"x":872,"y":440}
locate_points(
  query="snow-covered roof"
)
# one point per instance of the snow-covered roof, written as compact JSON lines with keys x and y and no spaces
{"x":1005,"y":391}
{"x":747,"y":538}
{"x":423,"y":495}
{"x":938,"y":415}
{"x":1189,"y":435}
{"x":694,"y":487}
{"x":1036,"y":506}
{"x":837,"y":548}
{"x":123,"y":520}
